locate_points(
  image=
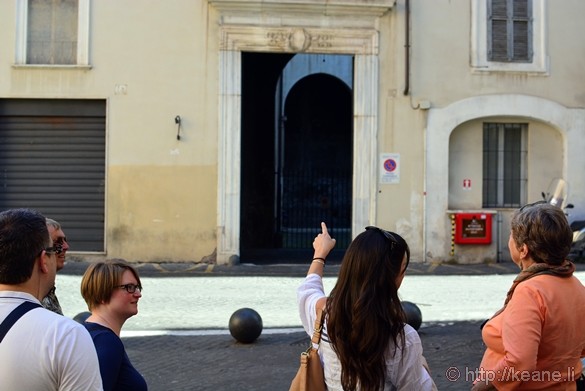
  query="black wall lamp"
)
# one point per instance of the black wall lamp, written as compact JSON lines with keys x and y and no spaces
{"x":178,"y":122}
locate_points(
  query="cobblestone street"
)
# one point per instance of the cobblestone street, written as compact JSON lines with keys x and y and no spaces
{"x":218,"y":362}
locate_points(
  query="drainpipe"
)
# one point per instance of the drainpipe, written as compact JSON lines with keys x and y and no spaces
{"x":407,"y":48}
{"x":407,"y":92}
{"x":498,"y":237}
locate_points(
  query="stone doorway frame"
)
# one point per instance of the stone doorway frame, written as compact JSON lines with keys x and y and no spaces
{"x":248,"y":34}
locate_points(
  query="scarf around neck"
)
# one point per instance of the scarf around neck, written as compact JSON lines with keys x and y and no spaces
{"x":563,"y":270}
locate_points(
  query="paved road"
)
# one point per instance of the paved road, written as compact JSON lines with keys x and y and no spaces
{"x":218,"y":362}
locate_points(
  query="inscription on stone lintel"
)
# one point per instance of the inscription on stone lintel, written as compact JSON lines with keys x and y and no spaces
{"x":299,"y":39}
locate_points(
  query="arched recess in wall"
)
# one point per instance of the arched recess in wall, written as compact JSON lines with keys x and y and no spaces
{"x":498,"y":164}
{"x":472,"y":158}
{"x":568,"y":123}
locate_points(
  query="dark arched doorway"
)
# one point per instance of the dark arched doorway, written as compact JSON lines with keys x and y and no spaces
{"x":316,"y":156}
{"x":296,"y":159}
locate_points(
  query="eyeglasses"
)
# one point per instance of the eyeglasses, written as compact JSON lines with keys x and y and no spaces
{"x":387,"y":235}
{"x":131,"y":288}
{"x":57,"y":249}
{"x":533,"y":204}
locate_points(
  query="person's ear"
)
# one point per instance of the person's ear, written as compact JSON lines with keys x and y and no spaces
{"x":43,"y":262}
{"x":523,"y":251}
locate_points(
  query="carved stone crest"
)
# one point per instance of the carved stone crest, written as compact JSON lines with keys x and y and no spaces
{"x":299,"y":40}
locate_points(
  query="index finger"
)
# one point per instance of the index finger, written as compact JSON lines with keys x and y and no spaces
{"x":324,"y":228}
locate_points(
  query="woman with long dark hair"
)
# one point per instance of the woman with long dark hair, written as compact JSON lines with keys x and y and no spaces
{"x":365,"y":344}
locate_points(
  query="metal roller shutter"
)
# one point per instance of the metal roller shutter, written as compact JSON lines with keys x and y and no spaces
{"x":52,"y":159}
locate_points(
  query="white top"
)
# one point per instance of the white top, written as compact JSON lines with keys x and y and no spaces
{"x":404,"y":370}
{"x":45,"y":351}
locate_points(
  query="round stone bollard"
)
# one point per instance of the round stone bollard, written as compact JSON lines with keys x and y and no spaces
{"x":245,"y":325}
{"x":413,"y":314}
{"x":82,"y":317}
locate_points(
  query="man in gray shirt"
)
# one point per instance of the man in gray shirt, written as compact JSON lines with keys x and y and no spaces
{"x":50,"y":301}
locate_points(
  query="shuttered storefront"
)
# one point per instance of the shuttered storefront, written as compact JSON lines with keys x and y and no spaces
{"x":52,"y":159}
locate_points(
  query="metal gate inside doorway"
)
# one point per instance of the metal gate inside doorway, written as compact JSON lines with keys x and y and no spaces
{"x":296,"y":154}
{"x":310,"y":197}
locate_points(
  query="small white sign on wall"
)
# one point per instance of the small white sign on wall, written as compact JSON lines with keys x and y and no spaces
{"x":467,"y":184}
{"x":389,"y":168}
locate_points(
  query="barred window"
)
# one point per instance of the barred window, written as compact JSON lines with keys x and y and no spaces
{"x":504,"y":157}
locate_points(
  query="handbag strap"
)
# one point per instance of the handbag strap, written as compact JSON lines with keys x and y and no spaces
{"x":318,"y":327}
{"x":16,"y":314}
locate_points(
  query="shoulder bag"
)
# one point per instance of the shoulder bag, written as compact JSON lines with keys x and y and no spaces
{"x":15,"y":315}
{"x":310,"y":374}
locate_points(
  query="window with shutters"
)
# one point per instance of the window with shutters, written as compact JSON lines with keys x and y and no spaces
{"x":508,"y":35}
{"x":52,"y":32}
{"x":509,"y":30}
{"x":504,"y":173}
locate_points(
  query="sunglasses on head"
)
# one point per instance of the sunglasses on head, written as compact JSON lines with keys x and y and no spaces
{"x":387,"y":235}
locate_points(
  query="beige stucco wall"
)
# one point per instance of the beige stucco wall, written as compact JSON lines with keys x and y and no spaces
{"x":161,"y":191}
{"x":150,"y":63}
{"x":399,"y":206}
{"x":441,"y":53}
{"x":159,"y":60}
{"x":550,"y":101}
{"x":161,"y":213}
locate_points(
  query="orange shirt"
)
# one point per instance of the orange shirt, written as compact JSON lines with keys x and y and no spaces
{"x":537,"y":341}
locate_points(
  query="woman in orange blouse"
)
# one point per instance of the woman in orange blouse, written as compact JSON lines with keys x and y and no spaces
{"x":536,"y":340}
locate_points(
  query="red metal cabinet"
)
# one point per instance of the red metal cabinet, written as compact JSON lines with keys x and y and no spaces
{"x":473,"y":228}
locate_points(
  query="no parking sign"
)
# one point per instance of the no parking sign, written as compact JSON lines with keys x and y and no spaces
{"x":389,"y":168}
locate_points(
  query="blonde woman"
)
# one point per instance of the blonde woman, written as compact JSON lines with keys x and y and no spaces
{"x":111,"y":290}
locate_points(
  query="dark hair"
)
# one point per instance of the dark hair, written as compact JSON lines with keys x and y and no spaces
{"x":364,"y":312}
{"x":545,"y":231}
{"x":101,"y":278}
{"x":23,"y":236}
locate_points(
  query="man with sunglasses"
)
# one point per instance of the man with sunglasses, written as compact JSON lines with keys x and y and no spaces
{"x":51,"y":302}
{"x":39,"y":350}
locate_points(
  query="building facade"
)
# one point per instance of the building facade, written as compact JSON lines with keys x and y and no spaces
{"x":226,"y":130}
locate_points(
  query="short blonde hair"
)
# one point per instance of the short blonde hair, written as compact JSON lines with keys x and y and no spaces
{"x":101,"y":278}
